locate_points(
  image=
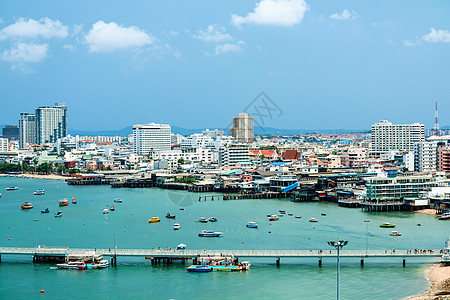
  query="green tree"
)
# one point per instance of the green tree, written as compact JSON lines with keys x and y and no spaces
{"x":181,"y":161}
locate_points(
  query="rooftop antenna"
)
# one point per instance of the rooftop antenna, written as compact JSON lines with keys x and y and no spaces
{"x":436,"y":130}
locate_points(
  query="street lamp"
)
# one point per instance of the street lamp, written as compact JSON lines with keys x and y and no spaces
{"x":367,"y":238}
{"x":338,"y":245}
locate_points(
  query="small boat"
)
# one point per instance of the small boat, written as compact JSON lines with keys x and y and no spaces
{"x":202,"y":220}
{"x":104,"y":263}
{"x":313,"y":220}
{"x":418,"y":224}
{"x":169,"y":216}
{"x":387,"y":225}
{"x":395,"y":233}
{"x":39,"y":192}
{"x":63,"y":202}
{"x":12,"y":188}
{"x":298,"y":217}
{"x":112,"y":208}
{"x":282,"y":212}
{"x":273,"y":218}
{"x":212,"y":219}
{"x":74,"y":200}
{"x":290,"y":214}
{"x":73,"y":265}
{"x":181,"y":208}
{"x":323,"y":214}
{"x":252,"y":225}
{"x":445,"y":216}
{"x":45,"y":211}
{"x":199,"y":268}
{"x":176,"y":226}
{"x":105,"y":211}
{"x":27,"y":205}
{"x":118,"y":200}
{"x":58,"y":214}
{"x":245,"y":265}
{"x":154,"y":220}
{"x":209,"y":233}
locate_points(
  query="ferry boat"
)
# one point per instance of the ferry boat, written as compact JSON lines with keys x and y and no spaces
{"x":313,"y":220}
{"x":199,"y":268}
{"x":387,"y":225}
{"x":273,"y":218}
{"x":445,"y":216}
{"x":395,"y":233}
{"x":12,"y":188}
{"x":209,"y":233}
{"x":63,"y":202}
{"x":74,"y":200}
{"x":105,"y":211}
{"x":202,"y":220}
{"x":212,"y":219}
{"x":169,"y":216}
{"x":112,"y":208}
{"x":58,"y":214}
{"x":154,"y":220}
{"x":118,"y":200}
{"x":45,"y":211}
{"x":104,"y":263}
{"x":252,"y":225}
{"x":73,"y":265}
{"x":27,"y":205}
{"x":176,"y":226}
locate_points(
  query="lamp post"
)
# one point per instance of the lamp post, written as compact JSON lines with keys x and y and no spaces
{"x":338,"y":245}
{"x":367,"y":237}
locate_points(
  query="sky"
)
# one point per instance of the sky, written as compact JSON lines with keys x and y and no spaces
{"x":196,"y":64}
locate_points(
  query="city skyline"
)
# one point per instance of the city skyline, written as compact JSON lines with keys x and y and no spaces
{"x":196,"y":68}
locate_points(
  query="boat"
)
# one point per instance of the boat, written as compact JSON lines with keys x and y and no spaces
{"x":39,"y":192}
{"x":27,"y":205}
{"x":104,"y":263}
{"x":387,"y":225}
{"x":181,"y":208}
{"x":282,"y":212}
{"x":112,"y":208}
{"x":176,"y":226}
{"x":45,"y":211}
{"x":202,"y":220}
{"x":169,"y":216}
{"x":245,"y":265}
{"x":313,"y":220}
{"x":63,"y":202}
{"x":209,"y":233}
{"x":395,"y":233}
{"x":154,"y":220}
{"x":199,"y":268}
{"x":298,"y":217}
{"x":74,"y":200}
{"x":58,"y":214}
{"x":323,"y":214}
{"x":73,"y":265}
{"x":212,"y":219}
{"x":273,"y":218}
{"x":12,"y":188}
{"x":252,"y":225}
{"x":105,"y":211}
{"x":118,"y":200}
{"x":445,"y":216}
{"x":290,"y":214}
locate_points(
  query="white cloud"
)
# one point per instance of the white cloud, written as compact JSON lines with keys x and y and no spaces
{"x":274,"y":12}
{"x":228,"y":47}
{"x":436,"y":36}
{"x":25,"y":53}
{"x":409,"y":43}
{"x":214,"y":33}
{"x":107,"y":37}
{"x":346,"y":15}
{"x":77,"y":29}
{"x":69,"y":47}
{"x":23,"y":29}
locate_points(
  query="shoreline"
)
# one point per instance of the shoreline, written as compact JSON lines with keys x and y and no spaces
{"x":36,"y":176}
{"x":426,"y":211}
{"x":438,"y":277}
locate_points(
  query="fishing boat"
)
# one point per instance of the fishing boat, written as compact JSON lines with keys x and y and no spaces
{"x":74,"y":200}
{"x":112,"y":208}
{"x":105,"y":211}
{"x":63,"y":202}
{"x":58,"y":214}
{"x":209,"y":233}
{"x":273,"y":218}
{"x":395,"y":233}
{"x":45,"y":211}
{"x":445,"y":216}
{"x":313,"y":220}
{"x":176,"y":226}
{"x":118,"y":200}
{"x":252,"y":225}
{"x":104,"y":263}
{"x":169,"y":216}
{"x":387,"y":225}
{"x":12,"y":188}
{"x":199,"y":268}
{"x":73,"y":265}
{"x":202,"y":220}
{"x":154,"y":220}
{"x":27,"y":205}
{"x":212,"y":219}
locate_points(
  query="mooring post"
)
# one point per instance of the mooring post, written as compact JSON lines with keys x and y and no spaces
{"x":320,"y":261}
{"x":404,"y":262}
{"x":34,"y":258}
{"x":362,"y":261}
{"x":278,"y":261}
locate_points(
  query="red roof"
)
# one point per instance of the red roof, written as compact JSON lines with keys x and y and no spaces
{"x":267,"y":153}
{"x":291,"y":154}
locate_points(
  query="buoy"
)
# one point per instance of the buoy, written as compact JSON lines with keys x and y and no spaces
{"x":124,"y":231}
{"x":9,"y":239}
{"x":42,"y":291}
{"x":242,"y":242}
{"x":270,"y":231}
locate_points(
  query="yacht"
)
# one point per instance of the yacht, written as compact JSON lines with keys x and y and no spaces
{"x":210,"y":233}
{"x":252,"y":225}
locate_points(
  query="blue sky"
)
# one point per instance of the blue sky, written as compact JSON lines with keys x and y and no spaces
{"x":193,"y":64}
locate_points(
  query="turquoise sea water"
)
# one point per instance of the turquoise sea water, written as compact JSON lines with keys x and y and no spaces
{"x":84,"y":225}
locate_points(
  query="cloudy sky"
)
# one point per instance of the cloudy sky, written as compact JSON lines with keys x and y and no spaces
{"x":321,"y":64}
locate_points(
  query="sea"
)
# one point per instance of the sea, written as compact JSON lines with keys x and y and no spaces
{"x":83,"y":225}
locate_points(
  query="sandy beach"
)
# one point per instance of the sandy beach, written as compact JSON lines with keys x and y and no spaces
{"x":50,"y":176}
{"x":427,"y":211}
{"x":438,"y":277}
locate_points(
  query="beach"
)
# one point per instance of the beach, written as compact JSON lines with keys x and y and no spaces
{"x":438,"y":277}
{"x":39,"y":176}
{"x":427,"y":211}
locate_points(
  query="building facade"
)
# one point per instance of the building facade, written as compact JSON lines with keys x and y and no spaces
{"x":10,"y":132}
{"x":242,"y":130}
{"x":231,"y":155}
{"x":151,"y":137}
{"x":425,"y":156}
{"x":3,"y":145}
{"x":387,"y":136}
{"x":51,"y":123}
{"x":27,"y":129}
{"x":395,"y":188}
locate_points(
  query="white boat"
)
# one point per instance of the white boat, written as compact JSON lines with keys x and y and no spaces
{"x":176,"y":226}
{"x":12,"y":188}
{"x":445,"y":216}
{"x":104,"y":263}
{"x":395,"y":233}
{"x":252,"y":225}
{"x":73,"y":265}
{"x":245,"y":265}
{"x":209,"y":233}
{"x":105,"y":211}
{"x":58,"y":214}
{"x":314,"y":220}
{"x":118,"y":200}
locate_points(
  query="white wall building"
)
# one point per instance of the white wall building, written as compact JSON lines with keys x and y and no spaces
{"x":27,"y":129}
{"x":233,"y":154}
{"x":151,"y":137}
{"x":387,"y":136}
{"x":51,"y":123}
{"x":425,"y":156}
{"x":3,"y":145}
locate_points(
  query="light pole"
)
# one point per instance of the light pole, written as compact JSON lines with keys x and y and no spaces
{"x":338,"y":245}
{"x":367,"y":237}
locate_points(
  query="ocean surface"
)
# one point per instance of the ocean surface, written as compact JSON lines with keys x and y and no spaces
{"x":84,"y":226}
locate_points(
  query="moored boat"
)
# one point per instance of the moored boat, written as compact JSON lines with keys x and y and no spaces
{"x":12,"y":188}
{"x":210,"y":233}
{"x":387,"y":225}
{"x":313,"y":220}
{"x":39,"y":192}
{"x":63,"y":202}
{"x":445,"y":216}
{"x":73,"y":265}
{"x":251,"y":224}
{"x":176,"y":226}
{"x":105,"y":211}
{"x":199,"y":268}
{"x":118,"y":200}
{"x":273,"y":218}
{"x":212,"y":219}
{"x":74,"y":200}
{"x":27,"y":205}
{"x":202,"y":220}
{"x":104,"y":263}
{"x":58,"y":214}
{"x":395,"y":233}
{"x":112,"y":208}
{"x":169,"y":216}
{"x":154,"y":220}
{"x":45,"y":211}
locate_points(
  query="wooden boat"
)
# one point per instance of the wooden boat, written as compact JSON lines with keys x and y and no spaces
{"x":154,"y":220}
{"x":387,"y":225}
{"x":169,"y":216}
{"x":212,"y":219}
{"x":27,"y":205}
{"x":273,"y":218}
{"x":45,"y":211}
{"x":63,"y":202}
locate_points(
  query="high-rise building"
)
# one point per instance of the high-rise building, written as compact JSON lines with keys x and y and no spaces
{"x":11,"y":132}
{"x":27,"y":129}
{"x":242,"y":129}
{"x":234,"y":154}
{"x":151,"y":137}
{"x":425,"y":156}
{"x":51,"y":123}
{"x":387,"y":136}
